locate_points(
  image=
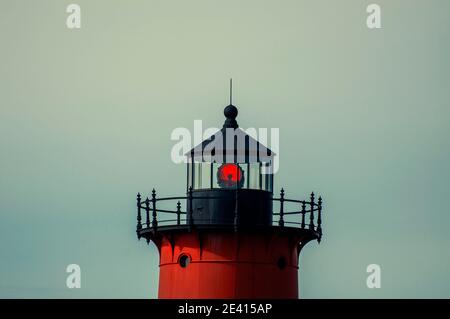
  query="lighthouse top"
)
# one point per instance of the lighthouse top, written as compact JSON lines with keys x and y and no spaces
{"x":229,"y":186}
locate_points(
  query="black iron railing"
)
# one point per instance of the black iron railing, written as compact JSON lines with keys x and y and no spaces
{"x":308,"y":216}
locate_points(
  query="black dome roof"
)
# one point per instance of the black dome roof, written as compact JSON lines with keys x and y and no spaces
{"x":244,"y":149}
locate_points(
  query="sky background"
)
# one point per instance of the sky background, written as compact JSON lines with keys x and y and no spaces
{"x":86,"y":117}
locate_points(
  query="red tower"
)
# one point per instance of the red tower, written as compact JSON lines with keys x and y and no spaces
{"x":224,"y":242}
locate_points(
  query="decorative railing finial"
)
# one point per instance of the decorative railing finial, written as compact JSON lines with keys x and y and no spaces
{"x":178,"y":213}
{"x":311,"y":216}
{"x":154,"y":220}
{"x":190,"y":209}
{"x":281,"y":221}
{"x":139,"y":217}
{"x":303,"y":212}
{"x":147,"y":212}
{"x":319,"y":218}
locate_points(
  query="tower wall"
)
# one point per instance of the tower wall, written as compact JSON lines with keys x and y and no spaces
{"x":229,"y":265}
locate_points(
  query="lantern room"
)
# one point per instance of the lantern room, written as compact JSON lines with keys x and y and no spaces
{"x":230,"y":159}
{"x":234,"y":169}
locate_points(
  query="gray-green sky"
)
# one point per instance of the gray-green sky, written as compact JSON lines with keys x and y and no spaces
{"x":86,"y":117}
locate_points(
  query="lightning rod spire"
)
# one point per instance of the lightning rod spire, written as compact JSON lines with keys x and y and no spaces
{"x":231,"y":91}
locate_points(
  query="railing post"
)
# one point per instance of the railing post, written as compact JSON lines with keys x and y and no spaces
{"x":154,"y":220}
{"x":139,"y":217}
{"x":303,"y":214}
{"x":191,"y":217}
{"x":319,"y":218}
{"x":147,"y":212}
{"x":178,"y":212}
{"x":281,"y":221}
{"x":311,"y":216}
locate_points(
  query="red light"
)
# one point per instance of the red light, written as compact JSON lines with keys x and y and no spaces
{"x":228,"y":175}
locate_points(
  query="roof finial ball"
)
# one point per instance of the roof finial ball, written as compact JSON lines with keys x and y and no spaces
{"x":230,"y":113}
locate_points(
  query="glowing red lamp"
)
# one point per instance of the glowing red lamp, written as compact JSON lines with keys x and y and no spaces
{"x":230,"y":175}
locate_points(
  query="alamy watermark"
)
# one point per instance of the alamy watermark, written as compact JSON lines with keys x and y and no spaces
{"x":73,"y":20}
{"x":227,"y":145}
{"x":374,"y":18}
{"x":374,"y":279}
{"x":74,"y":278}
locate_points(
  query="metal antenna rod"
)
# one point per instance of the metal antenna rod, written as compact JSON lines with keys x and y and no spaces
{"x":231,"y":91}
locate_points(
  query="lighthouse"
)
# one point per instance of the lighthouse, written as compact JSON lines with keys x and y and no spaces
{"x":229,"y":236}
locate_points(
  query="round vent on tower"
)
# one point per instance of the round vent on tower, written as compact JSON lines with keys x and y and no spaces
{"x":184,"y":260}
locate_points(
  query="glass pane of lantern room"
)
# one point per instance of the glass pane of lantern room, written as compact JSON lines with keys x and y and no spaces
{"x":189,"y":172}
{"x":254,"y":176}
{"x":215,"y":180}
{"x":263,"y":181}
{"x":244,"y":175}
{"x":205,"y":175}
{"x":197,"y":175}
{"x":266,"y":177}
